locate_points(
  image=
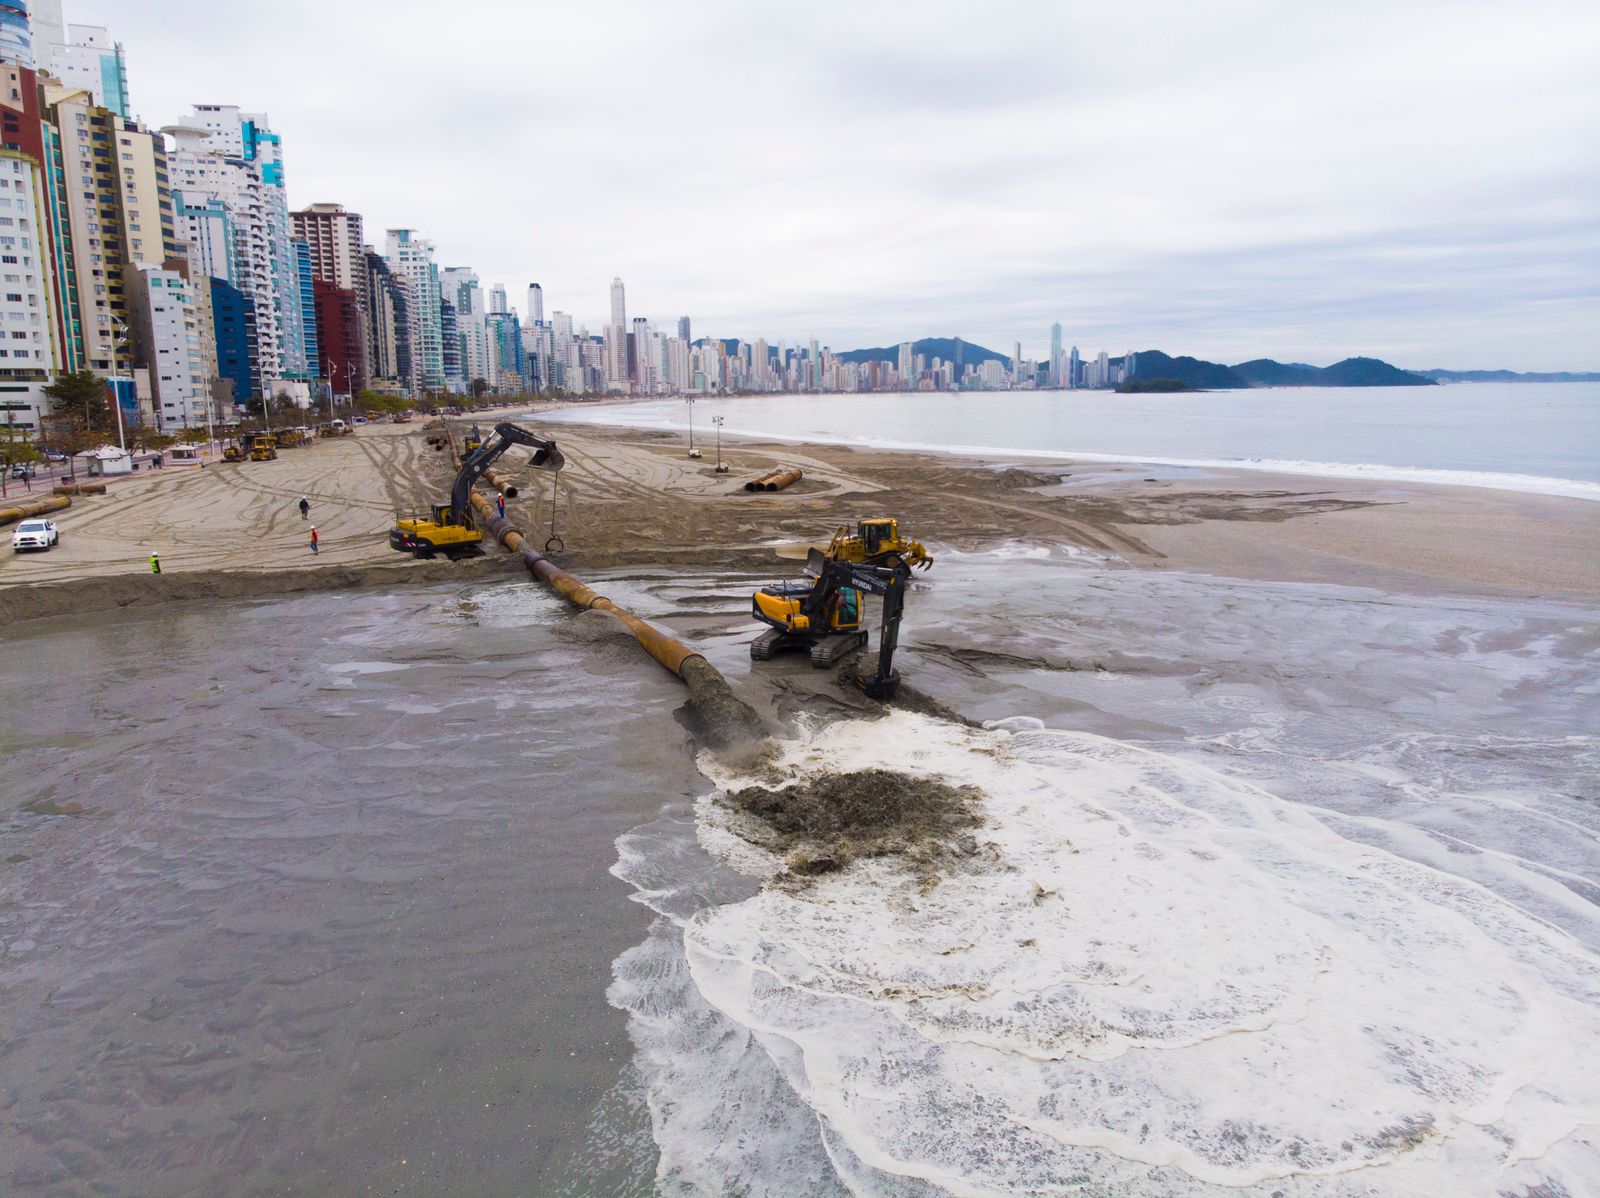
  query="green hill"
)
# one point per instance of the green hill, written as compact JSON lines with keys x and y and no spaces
{"x":1153,"y":364}
{"x":1368,"y":372}
{"x":1264,"y":372}
{"x":931,"y":348}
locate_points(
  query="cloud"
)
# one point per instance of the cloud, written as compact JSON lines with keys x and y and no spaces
{"x":1229,"y":179}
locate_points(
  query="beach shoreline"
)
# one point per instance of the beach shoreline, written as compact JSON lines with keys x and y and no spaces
{"x":631,"y":497}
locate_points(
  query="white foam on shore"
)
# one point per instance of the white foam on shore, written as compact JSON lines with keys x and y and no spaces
{"x":1530,"y":484}
{"x":1165,"y":982}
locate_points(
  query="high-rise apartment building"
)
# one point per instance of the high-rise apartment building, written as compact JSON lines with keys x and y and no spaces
{"x":616,"y":341}
{"x":388,"y":328}
{"x":683,"y":331}
{"x":229,"y":163}
{"x":341,"y":337}
{"x":88,"y":58}
{"x":535,"y":304}
{"x":411,"y":258}
{"x":16,"y":33}
{"x":165,"y":319}
{"x":334,"y":241}
{"x":28,"y":325}
{"x":1055,"y":354}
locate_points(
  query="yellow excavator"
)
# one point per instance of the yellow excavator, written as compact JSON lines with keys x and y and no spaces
{"x":821,"y":613}
{"x":448,"y":528}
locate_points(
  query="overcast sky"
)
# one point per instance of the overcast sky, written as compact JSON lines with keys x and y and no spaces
{"x":1416,"y":181}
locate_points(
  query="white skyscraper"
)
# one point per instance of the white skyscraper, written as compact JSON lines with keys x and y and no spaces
{"x":616,"y":341}
{"x":535,"y":304}
{"x":497,"y":299}
{"x":166,"y":316}
{"x":412,"y":258}
{"x":88,"y":58}
{"x":619,"y":305}
{"x":226,"y":157}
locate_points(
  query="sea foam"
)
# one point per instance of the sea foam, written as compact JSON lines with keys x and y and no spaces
{"x":1154,"y":980}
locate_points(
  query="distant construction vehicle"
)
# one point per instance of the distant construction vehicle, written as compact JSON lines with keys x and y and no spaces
{"x":448,"y":529}
{"x":877,"y":542}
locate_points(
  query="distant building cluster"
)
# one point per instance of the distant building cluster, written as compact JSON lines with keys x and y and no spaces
{"x":171,"y":261}
{"x":636,"y":358}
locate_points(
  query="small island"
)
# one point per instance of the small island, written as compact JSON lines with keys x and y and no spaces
{"x":1142,"y":386}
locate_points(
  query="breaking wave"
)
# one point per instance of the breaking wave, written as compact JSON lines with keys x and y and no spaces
{"x":1153,"y":980}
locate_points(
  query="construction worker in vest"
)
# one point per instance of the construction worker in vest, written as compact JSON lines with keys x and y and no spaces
{"x":314,"y":538}
{"x":500,"y":504}
{"x":155,"y":563}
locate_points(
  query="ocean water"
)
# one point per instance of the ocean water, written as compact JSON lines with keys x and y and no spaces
{"x":1539,"y":438}
{"x":1286,"y":890}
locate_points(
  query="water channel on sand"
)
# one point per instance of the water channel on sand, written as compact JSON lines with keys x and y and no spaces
{"x":313,"y":895}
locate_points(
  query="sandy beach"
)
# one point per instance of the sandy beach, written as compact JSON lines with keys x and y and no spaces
{"x":634,"y":498}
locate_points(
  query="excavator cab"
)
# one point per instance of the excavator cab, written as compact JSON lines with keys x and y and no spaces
{"x":821,"y":613}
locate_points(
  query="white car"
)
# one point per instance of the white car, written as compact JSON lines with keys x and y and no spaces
{"x":35,"y":534}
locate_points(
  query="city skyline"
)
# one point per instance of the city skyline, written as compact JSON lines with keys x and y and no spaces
{"x":1436,"y":212}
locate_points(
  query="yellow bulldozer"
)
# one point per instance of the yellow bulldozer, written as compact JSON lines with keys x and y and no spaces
{"x":877,"y":542}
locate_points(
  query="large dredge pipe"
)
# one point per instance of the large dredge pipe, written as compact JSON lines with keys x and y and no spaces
{"x":78,"y":489}
{"x":500,"y":483}
{"x":26,"y":511}
{"x":777,"y":482}
{"x":722,"y":719}
{"x":759,"y":484}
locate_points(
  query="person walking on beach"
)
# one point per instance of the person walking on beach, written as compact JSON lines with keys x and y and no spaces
{"x":305,"y":508}
{"x":500,"y":503}
{"x":313,"y":539}
{"x":155,"y":563}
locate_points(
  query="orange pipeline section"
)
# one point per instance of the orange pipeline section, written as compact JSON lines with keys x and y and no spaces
{"x":27,"y":511}
{"x":719,"y":717}
{"x":782,"y":479}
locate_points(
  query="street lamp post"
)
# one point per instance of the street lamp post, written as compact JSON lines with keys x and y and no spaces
{"x":333,"y":388}
{"x":693,"y":452}
{"x":717,"y":420}
{"x":118,"y":342}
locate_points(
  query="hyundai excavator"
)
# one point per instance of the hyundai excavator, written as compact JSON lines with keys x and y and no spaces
{"x":449,"y":529}
{"x":822,"y":612}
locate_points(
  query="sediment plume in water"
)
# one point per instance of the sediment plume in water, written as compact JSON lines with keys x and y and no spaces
{"x":823,"y":824}
{"x":1152,"y":979}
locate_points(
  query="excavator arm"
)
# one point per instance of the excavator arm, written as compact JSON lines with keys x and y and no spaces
{"x":545,"y":457}
{"x":889,"y":584}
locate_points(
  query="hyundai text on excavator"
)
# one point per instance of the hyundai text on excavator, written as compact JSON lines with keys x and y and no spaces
{"x":822,"y":612}
{"x":449,"y":529}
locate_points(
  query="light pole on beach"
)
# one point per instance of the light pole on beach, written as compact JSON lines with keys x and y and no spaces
{"x":693,"y":452}
{"x":120,"y":340}
{"x":717,"y":420}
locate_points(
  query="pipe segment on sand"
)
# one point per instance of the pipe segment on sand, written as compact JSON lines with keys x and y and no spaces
{"x":721,"y":718}
{"x":775,"y":479}
{"x":500,"y":483}
{"x":78,"y":489}
{"x":27,"y":511}
{"x":782,"y":479}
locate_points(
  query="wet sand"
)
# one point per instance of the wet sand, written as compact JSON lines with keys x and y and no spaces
{"x":634,"y":498}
